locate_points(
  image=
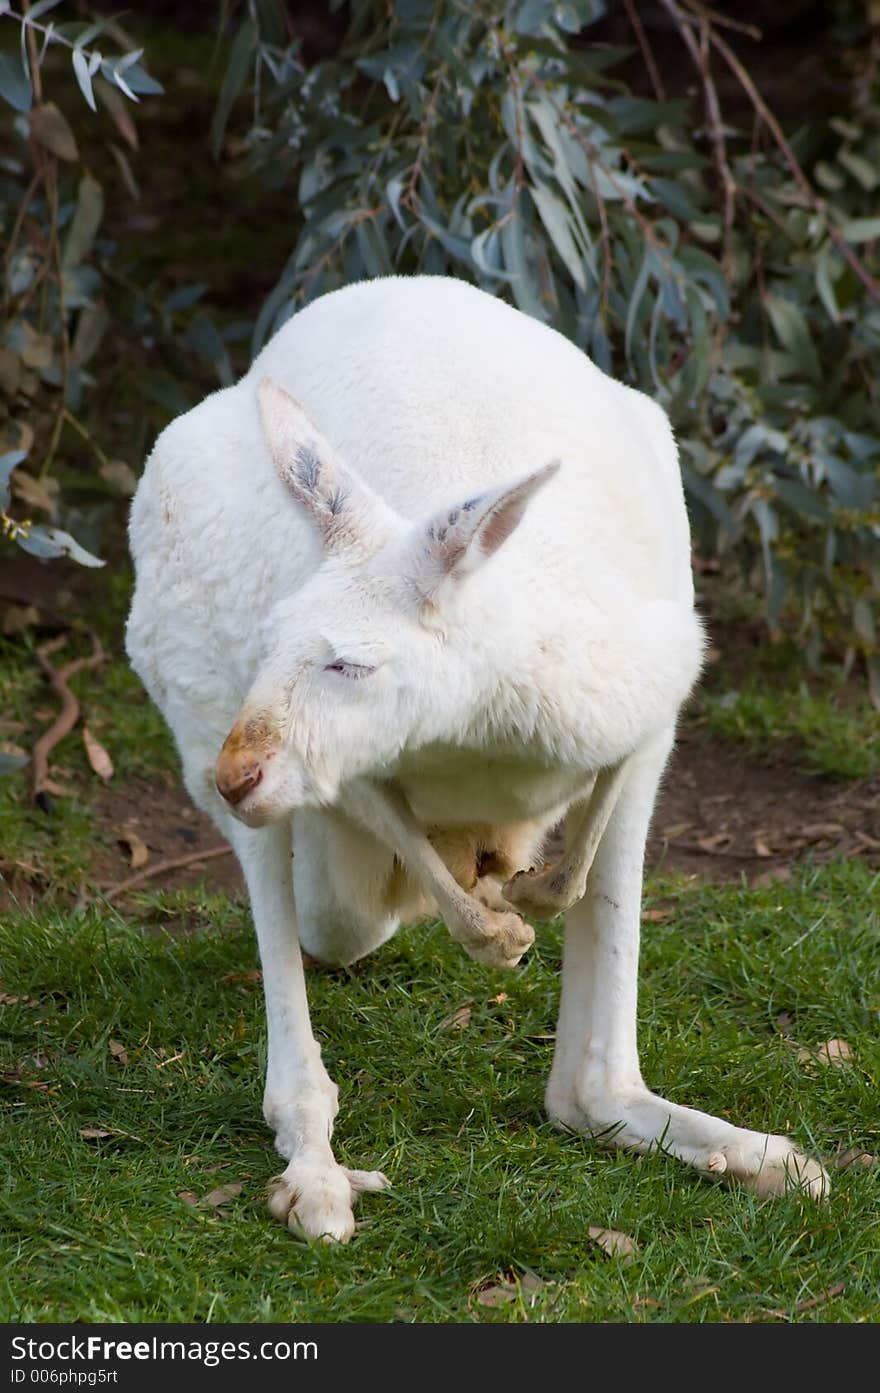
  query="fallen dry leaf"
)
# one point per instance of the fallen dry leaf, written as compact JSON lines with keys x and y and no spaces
{"x":818,"y":831}
{"x":714,"y":843}
{"x":118,"y":1051}
{"x":872,"y":842}
{"x":460,"y":1018}
{"x":8,"y":747}
{"x":7,"y":999}
{"x":94,"y":1133}
{"x":188,"y":1196}
{"x":138,"y":852}
{"x":761,"y":848}
{"x":655,"y":916}
{"x":496,"y":1296}
{"x":855,"y":1156}
{"x":614,"y":1243}
{"x":835,"y":1052}
{"x":222,"y":1193}
{"x":778,"y":874}
{"x":497,"y":1000}
{"x":97,"y":756}
{"x":507,"y":1290}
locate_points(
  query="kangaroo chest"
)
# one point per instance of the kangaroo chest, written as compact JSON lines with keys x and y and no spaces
{"x":451,"y":787}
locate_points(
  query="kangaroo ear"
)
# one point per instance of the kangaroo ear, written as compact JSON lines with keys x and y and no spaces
{"x":457,"y":540}
{"x":342,"y":507}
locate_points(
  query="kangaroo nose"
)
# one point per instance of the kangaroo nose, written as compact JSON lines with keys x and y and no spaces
{"x":236,"y":773}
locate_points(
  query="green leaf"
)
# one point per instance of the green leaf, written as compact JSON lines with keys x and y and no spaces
{"x":513,"y":247}
{"x":861,"y":169}
{"x":83,"y":76}
{"x":863,"y":620}
{"x":8,"y":462}
{"x":635,"y":301}
{"x":90,"y":329}
{"x":86,"y":221}
{"x":791,"y":329}
{"x":204,"y":338}
{"x":52,"y":542}
{"x":824,"y":262}
{"x":803,"y":501}
{"x":374,"y":252}
{"x":861,"y":229}
{"x":40,"y":7}
{"x":240,"y":62}
{"x":15,"y":83}
{"x":704,"y":491}
{"x":140,"y":81}
{"x":554,"y":216}
{"x":9,"y":763}
{"x":829,"y":177}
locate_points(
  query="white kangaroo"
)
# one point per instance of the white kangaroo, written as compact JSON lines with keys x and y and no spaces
{"x":363,"y":664}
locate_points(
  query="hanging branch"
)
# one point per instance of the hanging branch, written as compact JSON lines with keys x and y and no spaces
{"x":763,"y":111}
{"x":647,"y":52}
{"x":700,"y":55}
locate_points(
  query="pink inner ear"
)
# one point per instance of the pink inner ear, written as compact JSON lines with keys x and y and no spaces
{"x":500,"y":524}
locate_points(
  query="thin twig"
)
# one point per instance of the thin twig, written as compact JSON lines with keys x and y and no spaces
{"x":174,"y":863}
{"x":36,"y":77}
{"x":724,"y":21}
{"x":700,"y":55}
{"x":605,"y":234}
{"x":647,"y":51}
{"x":52,"y":201}
{"x":816,"y":203}
{"x":19,"y":219}
{"x":70,"y":707}
{"x":411,"y":191}
{"x":86,"y":436}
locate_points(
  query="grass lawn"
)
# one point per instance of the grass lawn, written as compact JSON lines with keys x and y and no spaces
{"x":110,"y":1150}
{"x":485,"y":1192}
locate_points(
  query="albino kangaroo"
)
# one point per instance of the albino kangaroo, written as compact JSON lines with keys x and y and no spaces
{"x":412,"y":590}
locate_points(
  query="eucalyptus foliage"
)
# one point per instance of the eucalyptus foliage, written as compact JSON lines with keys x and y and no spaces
{"x":733,"y":278}
{"x":55,"y":316}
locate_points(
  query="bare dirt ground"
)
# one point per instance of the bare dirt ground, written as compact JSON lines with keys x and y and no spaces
{"x":720,"y":816}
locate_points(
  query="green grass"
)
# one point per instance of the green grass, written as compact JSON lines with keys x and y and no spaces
{"x":820,"y":731}
{"x":761,"y":695}
{"x":484,"y":1188}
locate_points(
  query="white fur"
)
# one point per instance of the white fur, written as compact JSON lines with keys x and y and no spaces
{"x":431,"y":599}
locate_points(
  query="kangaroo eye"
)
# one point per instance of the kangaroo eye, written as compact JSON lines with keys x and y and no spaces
{"x":354,"y":671}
